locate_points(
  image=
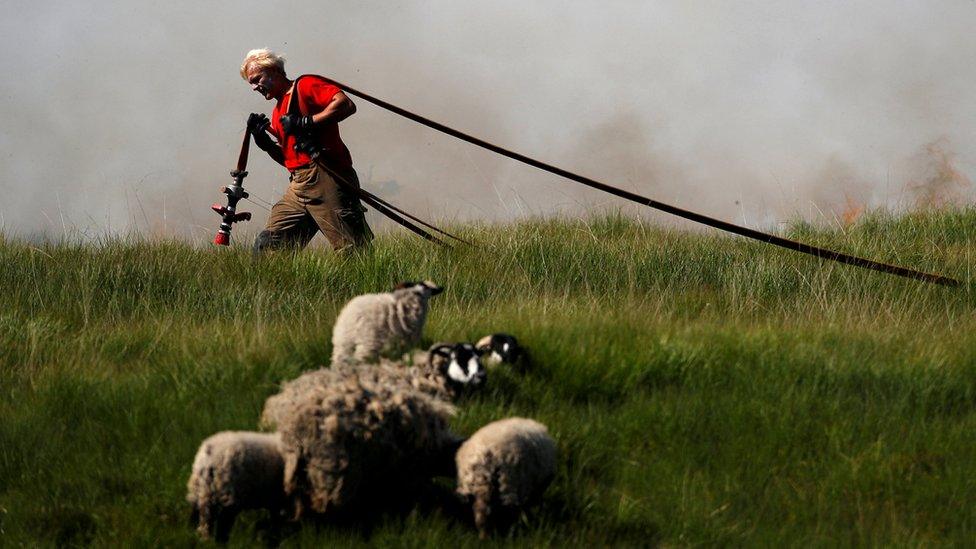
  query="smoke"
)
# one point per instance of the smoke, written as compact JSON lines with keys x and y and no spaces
{"x":121,"y":117}
{"x":939,"y":182}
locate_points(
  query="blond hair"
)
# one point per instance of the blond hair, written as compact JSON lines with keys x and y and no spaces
{"x":263,"y":59}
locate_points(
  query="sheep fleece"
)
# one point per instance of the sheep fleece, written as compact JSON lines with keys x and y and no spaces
{"x":359,"y":436}
{"x":236,"y":469}
{"x":372,"y":325}
{"x":508,"y":462}
{"x":295,"y":392}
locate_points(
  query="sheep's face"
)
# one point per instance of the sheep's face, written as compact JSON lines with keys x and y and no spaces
{"x":425,"y":288}
{"x":499,"y":348}
{"x":460,"y":364}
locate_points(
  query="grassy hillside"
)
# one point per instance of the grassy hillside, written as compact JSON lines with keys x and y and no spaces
{"x":703,"y":389}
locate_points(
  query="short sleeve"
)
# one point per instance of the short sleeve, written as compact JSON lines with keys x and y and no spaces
{"x":317,"y":92}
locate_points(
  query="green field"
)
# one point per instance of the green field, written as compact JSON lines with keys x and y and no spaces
{"x":703,"y":390}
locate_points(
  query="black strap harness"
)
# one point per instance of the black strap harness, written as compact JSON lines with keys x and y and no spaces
{"x":317,"y":153}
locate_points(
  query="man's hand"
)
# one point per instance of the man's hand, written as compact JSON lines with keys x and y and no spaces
{"x":257,"y":122}
{"x":293,"y":124}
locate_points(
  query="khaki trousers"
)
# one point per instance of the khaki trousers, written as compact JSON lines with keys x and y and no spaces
{"x":315,"y":202}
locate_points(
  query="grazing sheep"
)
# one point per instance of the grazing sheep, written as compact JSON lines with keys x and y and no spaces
{"x":449,"y":369}
{"x":504,"y":467}
{"x":233,"y":471}
{"x":500,"y":348}
{"x":363,"y":438}
{"x":292,"y":394}
{"x":444,"y":372}
{"x":295,"y":392}
{"x":374,"y":325}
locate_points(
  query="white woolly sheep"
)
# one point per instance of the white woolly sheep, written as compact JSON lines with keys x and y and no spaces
{"x":234,"y":471}
{"x":294,"y":393}
{"x":504,"y":467}
{"x":364,"y":437}
{"x":443,"y":372}
{"x":500,"y":348}
{"x":374,"y":325}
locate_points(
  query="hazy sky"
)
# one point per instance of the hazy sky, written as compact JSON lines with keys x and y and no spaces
{"x":122,"y":116}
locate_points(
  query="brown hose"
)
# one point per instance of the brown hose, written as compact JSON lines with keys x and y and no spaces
{"x":686,"y":214}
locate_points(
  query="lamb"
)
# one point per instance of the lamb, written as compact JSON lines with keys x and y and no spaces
{"x":374,"y":325}
{"x":444,"y":372}
{"x":500,"y":348}
{"x":362,"y":438}
{"x":233,"y":471}
{"x":504,"y":467}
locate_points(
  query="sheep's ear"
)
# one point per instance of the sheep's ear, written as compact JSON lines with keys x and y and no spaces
{"x":443,"y":350}
{"x":404,"y":285}
{"x":484,"y":343}
{"x":434,"y":288}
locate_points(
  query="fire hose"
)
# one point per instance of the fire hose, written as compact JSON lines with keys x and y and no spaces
{"x":754,"y":234}
{"x":235,"y":193}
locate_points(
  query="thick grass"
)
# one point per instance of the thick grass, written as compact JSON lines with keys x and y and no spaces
{"x":702,"y":389}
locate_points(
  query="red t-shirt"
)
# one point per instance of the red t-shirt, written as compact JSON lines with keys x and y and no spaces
{"x":314,"y":94}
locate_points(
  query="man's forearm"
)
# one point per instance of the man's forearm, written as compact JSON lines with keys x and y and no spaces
{"x":276,"y":154}
{"x":339,"y":109}
{"x":268,"y":145}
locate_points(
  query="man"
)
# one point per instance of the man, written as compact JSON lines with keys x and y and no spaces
{"x":315,"y":200}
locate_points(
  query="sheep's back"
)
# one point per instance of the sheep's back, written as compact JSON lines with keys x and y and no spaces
{"x":292,"y":394}
{"x":237,"y":468}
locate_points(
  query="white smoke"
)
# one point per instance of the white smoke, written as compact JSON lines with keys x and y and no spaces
{"x":121,"y":117}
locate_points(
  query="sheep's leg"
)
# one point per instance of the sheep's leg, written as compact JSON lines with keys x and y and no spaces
{"x":205,"y":514}
{"x":276,"y":525}
{"x":481,"y":513}
{"x":224,"y":523}
{"x":340,"y":354}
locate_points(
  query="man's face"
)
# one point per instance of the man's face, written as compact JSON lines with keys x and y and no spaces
{"x":264,"y":81}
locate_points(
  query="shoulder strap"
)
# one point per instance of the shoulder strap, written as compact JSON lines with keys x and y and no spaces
{"x":294,"y":106}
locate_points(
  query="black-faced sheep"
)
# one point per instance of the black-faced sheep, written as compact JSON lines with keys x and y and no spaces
{"x":504,"y":467}
{"x":375,"y":325}
{"x":234,"y":471}
{"x":500,"y":349}
{"x":450,"y":369}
